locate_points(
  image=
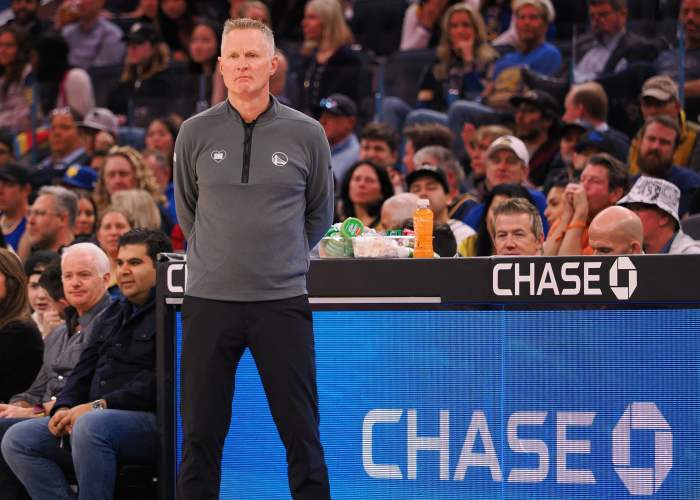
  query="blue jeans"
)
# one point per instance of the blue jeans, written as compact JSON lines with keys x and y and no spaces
{"x":99,"y":441}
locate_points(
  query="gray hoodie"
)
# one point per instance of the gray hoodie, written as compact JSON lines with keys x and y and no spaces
{"x":251,"y":199}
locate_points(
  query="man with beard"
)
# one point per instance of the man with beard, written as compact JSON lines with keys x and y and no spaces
{"x":536,"y":122}
{"x":660,"y":136}
{"x":26,"y":17}
{"x":660,"y":97}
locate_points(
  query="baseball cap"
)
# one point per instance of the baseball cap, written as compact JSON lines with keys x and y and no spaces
{"x":597,"y":140}
{"x":656,"y":192}
{"x":101,"y":119}
{"x":544,"y":5}
{"x":578,"y":125}
{"x":511,"y":143}
{"x":660,"y":87}
{"x":142,"y":32}
{"x":338,"y":105}
{"x":541,"y":100}
{"x":80,"y":176}
{"x":428,"y":171}
{"x":15,"y":173}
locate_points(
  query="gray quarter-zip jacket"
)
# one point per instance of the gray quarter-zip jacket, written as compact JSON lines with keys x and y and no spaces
{"x":252,"y":199}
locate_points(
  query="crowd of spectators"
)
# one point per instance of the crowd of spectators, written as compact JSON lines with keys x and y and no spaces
{"x":534,"y":127}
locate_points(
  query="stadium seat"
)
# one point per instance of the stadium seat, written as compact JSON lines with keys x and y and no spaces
{"x":402,"y":73}
{"x":691,"y":226}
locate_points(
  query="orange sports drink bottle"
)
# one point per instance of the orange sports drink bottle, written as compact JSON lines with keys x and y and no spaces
{"x":423,"y":227}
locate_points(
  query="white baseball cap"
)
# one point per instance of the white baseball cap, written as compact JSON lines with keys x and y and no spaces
{"x":511,"y":143}
{"x":657,"y":192}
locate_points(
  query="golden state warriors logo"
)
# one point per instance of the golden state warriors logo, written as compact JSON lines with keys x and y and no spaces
{"x":279,"y":159}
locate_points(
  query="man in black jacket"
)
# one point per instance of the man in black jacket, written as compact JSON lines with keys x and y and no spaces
{"x":609,"y":47}
{"x":106,"y":412}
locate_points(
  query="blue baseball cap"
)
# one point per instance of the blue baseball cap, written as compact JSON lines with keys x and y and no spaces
{"x":80,"y":176}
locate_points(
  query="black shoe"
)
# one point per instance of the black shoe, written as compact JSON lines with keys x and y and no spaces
{"x":557,"y":87}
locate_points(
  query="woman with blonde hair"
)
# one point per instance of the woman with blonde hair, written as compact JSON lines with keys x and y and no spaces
{"x":21,"y":346}
{"x":332,"y":65}
{"x":112,"y":224}
{"x":125,"y":168}
{"x":464,"y":60}
{"x":139,"y":207}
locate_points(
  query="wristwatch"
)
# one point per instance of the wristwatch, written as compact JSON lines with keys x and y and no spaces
{"x":97,"y":405}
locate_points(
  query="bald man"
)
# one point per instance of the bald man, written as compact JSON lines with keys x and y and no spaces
{"x":398,"y":209}
{"x":616,"y":231}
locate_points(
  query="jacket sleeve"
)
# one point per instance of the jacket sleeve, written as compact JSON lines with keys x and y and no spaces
{"x":137,"y":395}
{"x":319,"y":190}
{"x":77,"y":388}
{"x":185,"y":180}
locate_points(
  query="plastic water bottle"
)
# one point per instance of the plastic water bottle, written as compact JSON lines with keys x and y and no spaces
{"x":423,"y":227}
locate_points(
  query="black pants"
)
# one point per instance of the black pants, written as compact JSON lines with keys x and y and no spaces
{"x":280,"y":337}
{"x":10,"y":487}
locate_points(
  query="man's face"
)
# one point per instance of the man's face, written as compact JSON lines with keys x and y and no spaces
{"x":689,"y":16}
{"x":513,"y":235}
{"x":572,"y":111}
{"x":652,"y":220}
{"x":247,"y":62}
{"x":378,"y":152}
{"x":63,"y":135}
{"x":606,"y":21}
{"x":118,"y":174}
{"x":656,"y":149}
{"x":8,"y":48}
{"x":530,"y":25}
{"x":83,"y":285}
{"x":606,"y":242}
{"x":503,"y":167}
{"x":13,"y":195}
{"x":24,"y":10}
{"x":138,"y":53}
{"x":337,"y":128}
{"x":427,"y":187}
{"x":654,"y":107}
{"x":567,"y":145}
{"x":477,"y":154}
{"x":529,"y":122}
{"x":136,"y":272}
{"x":44,"y":222}
{"x":596,"y":183}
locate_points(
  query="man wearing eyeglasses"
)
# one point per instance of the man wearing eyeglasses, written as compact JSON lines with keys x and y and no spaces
{"x":51,"y":218}
{"x":660,"y":98}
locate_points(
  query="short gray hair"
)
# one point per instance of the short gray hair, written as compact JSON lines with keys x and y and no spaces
{"x":245,"y":23}
{"x":517,"y":206}
{"x":99,"y":257}
{"x":445,"y":158}
{"x":66,"y":201}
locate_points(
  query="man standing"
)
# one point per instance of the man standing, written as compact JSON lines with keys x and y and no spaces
{"x":257,"y":175}
{"x":108,"y":404}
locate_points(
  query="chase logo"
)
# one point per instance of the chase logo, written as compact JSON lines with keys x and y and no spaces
{"x":642,"y":481}
{"x":279,"y":159}
{"x":218,"y":155}
{"x":623,"y":264}
{"x":543,"y":279}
